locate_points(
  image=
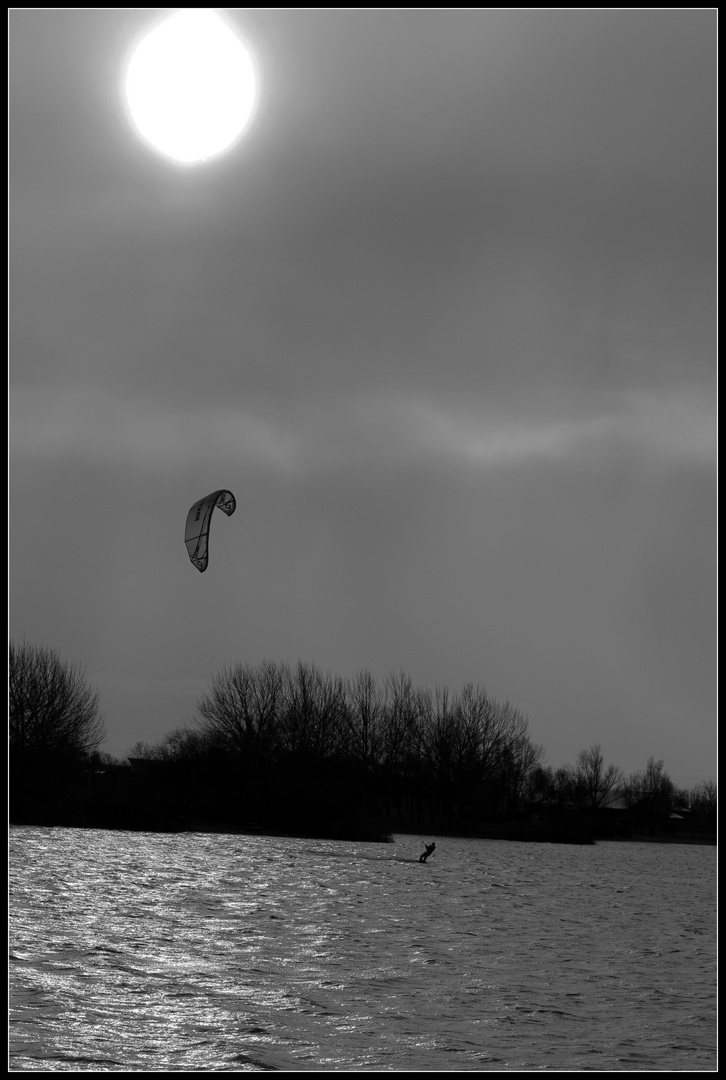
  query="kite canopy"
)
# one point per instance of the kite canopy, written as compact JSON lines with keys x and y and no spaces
{"x":196,"y":533}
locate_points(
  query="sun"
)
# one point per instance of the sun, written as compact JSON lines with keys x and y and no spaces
{"x":190,"y":86}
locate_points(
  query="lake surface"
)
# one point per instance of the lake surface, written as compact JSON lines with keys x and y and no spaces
{"x":192,"y":952}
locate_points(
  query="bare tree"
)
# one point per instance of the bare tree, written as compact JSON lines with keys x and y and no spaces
{"x":53,"y":712}
{"x":594,"y":782}
{"x":523,"y":758}
{"x":488,"y":729}
{"x":442,"y":735}
{"x":240,"y":709}
{"x":143,"y":751}
{"x":366,"y":706}
{"x":406,"y":711}
{"x":313,"y":716}
{"x":702,"y":803}
{"x":703,"y":798}
{"x":652,"y":787}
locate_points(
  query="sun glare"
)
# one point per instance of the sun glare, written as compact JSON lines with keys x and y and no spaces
{"x":190,"y":86}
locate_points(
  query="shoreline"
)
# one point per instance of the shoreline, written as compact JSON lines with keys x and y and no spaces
{"x":520,"y":832}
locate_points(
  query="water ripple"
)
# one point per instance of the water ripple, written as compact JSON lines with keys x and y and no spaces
{"x":144,"y":952}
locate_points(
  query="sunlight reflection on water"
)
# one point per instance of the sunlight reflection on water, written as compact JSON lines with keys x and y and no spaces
{"x":140,"y":951}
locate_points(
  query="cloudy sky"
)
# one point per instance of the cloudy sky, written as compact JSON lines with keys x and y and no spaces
{"x":444,"y":322}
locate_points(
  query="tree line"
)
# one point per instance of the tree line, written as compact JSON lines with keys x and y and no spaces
{"x":293,"y":747}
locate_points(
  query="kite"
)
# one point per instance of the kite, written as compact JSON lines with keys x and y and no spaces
{"x":196,"y":533}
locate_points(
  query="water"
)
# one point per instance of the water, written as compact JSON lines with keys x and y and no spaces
{"x":147,"y":952}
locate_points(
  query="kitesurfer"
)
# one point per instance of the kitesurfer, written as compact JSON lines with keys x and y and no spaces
{"x":427,"y":852}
